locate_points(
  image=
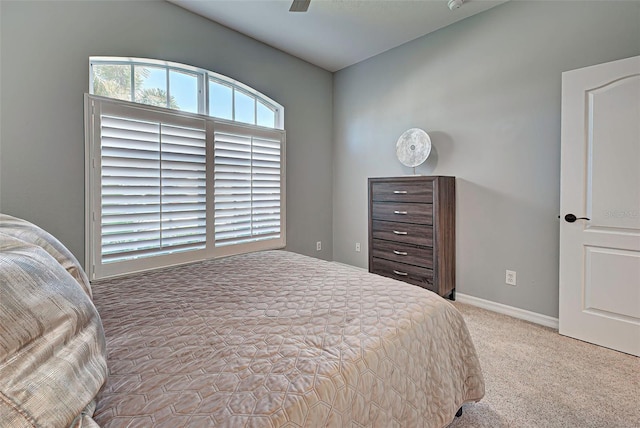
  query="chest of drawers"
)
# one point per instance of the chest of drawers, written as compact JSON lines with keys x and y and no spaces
{"x":412,"y":231}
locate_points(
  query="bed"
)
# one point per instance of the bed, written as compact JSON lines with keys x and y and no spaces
{"x":277,"y":339}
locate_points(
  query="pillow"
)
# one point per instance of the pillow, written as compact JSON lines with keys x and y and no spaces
{"x":52,"y":344}
{"x":31,"y":233}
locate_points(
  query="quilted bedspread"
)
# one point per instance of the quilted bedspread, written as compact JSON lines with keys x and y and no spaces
{"x":277,"y":339}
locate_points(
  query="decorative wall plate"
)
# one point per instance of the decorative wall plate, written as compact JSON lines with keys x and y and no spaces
{"x":413,"y":147}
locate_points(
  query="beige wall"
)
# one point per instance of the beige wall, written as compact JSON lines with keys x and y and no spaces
{"x":487,"y":89}
{"x":44,"y":57}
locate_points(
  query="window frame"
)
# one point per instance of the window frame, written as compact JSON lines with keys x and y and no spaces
{"x":93,"y":192}
{"x":203,"y":85}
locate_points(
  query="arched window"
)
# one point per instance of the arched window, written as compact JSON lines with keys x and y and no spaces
{"x":182,"y":87}
{"x":182,"y":164}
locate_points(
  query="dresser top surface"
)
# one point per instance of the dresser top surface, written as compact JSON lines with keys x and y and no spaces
{"x":411,"y":178}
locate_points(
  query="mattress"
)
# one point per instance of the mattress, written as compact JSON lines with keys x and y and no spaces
{"x":277,"y":339}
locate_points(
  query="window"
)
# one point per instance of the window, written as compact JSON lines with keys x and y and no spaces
{"x":247,"y":185}
{"x":182,"y":87}
{"x":166,"y":185}
{"x":152,"y":186}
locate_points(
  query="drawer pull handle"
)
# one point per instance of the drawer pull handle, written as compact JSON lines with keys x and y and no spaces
{"x":399,"y":233}
{"x":397,"y":272}
{"x":400,"y":253}
{"x":400,"y":192}
{"x":400,"y":212}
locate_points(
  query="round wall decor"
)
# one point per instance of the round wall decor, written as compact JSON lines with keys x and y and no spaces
{"x":413,"y":147}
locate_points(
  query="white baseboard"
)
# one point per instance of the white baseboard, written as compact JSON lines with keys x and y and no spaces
{"x":500,"y":308}
{"x":344,"y":264}
{"x":522,"y":314}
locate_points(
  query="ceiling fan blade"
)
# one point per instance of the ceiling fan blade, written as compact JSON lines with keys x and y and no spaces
{"x":299,"y":6}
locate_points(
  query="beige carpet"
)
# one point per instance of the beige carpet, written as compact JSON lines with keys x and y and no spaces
{"x":536,"y":378}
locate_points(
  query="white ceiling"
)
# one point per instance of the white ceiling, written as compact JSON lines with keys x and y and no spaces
{"x":334,"y":34}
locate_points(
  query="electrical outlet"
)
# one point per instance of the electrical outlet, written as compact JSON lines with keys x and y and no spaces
{"x":510,"y":277}
{"x":318,"y":245}
{"x":357,"y":247}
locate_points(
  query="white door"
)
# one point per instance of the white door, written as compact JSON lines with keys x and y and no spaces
{"x":600,"y":180}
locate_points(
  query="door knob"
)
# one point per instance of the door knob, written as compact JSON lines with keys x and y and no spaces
{"x":570,"y":218}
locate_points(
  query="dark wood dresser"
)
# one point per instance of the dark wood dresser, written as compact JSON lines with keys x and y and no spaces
{"x":412,"y":231}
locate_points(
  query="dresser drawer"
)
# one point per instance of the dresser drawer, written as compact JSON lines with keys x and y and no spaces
{"x":420,"y":192}
{"x":403,"y":253}
{"x":417,"y":234}
{"x":403,"y":212}
{"x":408,"y":273}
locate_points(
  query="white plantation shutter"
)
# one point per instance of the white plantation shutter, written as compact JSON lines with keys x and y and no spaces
{"x":184,"y":185}
{"x":167,"y":188}
{"x":248,"y":184}
{"x":153,"y":188}
{"x":130,"y":196}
